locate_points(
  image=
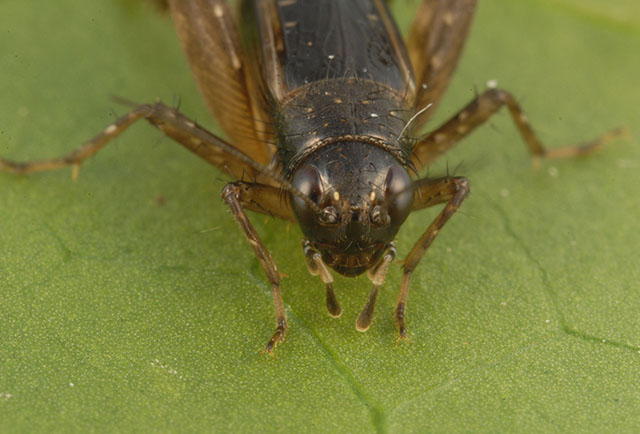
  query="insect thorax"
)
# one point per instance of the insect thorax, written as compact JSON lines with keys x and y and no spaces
{"x":340,"y":110}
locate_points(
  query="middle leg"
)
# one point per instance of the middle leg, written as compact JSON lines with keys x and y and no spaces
{"x":478,"y":112}
{"x":174,"y":124}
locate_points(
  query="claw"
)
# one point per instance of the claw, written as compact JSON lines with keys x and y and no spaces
{"x":402,"y":336}
{"x":277,"y":337}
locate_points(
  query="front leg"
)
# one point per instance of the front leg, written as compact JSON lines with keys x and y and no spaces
{"x":233,"y":196}
{"x":450,"y":190}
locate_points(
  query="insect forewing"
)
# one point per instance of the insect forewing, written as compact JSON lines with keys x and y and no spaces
{"x":300,"y":42}
{"x":434,"y":43}
{"x":210,"y":41}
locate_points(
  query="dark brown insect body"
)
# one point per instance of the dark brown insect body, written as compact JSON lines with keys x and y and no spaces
{"x":340,"y":100}
{"x":320,"y":100}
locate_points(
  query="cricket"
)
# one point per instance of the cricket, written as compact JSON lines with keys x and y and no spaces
{"x":323,"y":104}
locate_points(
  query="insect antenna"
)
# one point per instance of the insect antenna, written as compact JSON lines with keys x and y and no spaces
{"x":412,"y":118}
{"x":123,"y":101}
{"x":177,"y":101}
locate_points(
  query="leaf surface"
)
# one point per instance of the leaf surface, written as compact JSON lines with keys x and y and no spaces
{"x":130,"y":301}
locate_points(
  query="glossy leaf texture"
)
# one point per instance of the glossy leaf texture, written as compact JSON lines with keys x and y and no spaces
{"x":129,"y":300}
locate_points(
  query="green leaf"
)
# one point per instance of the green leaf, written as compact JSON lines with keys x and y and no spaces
{"x":130,"y":301}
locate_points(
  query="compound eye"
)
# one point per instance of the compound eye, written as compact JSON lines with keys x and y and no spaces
{"x":328,"y":216}
{"x":307,"y":180}
{"x":398,"y":194}
{"x":397,"y":180}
